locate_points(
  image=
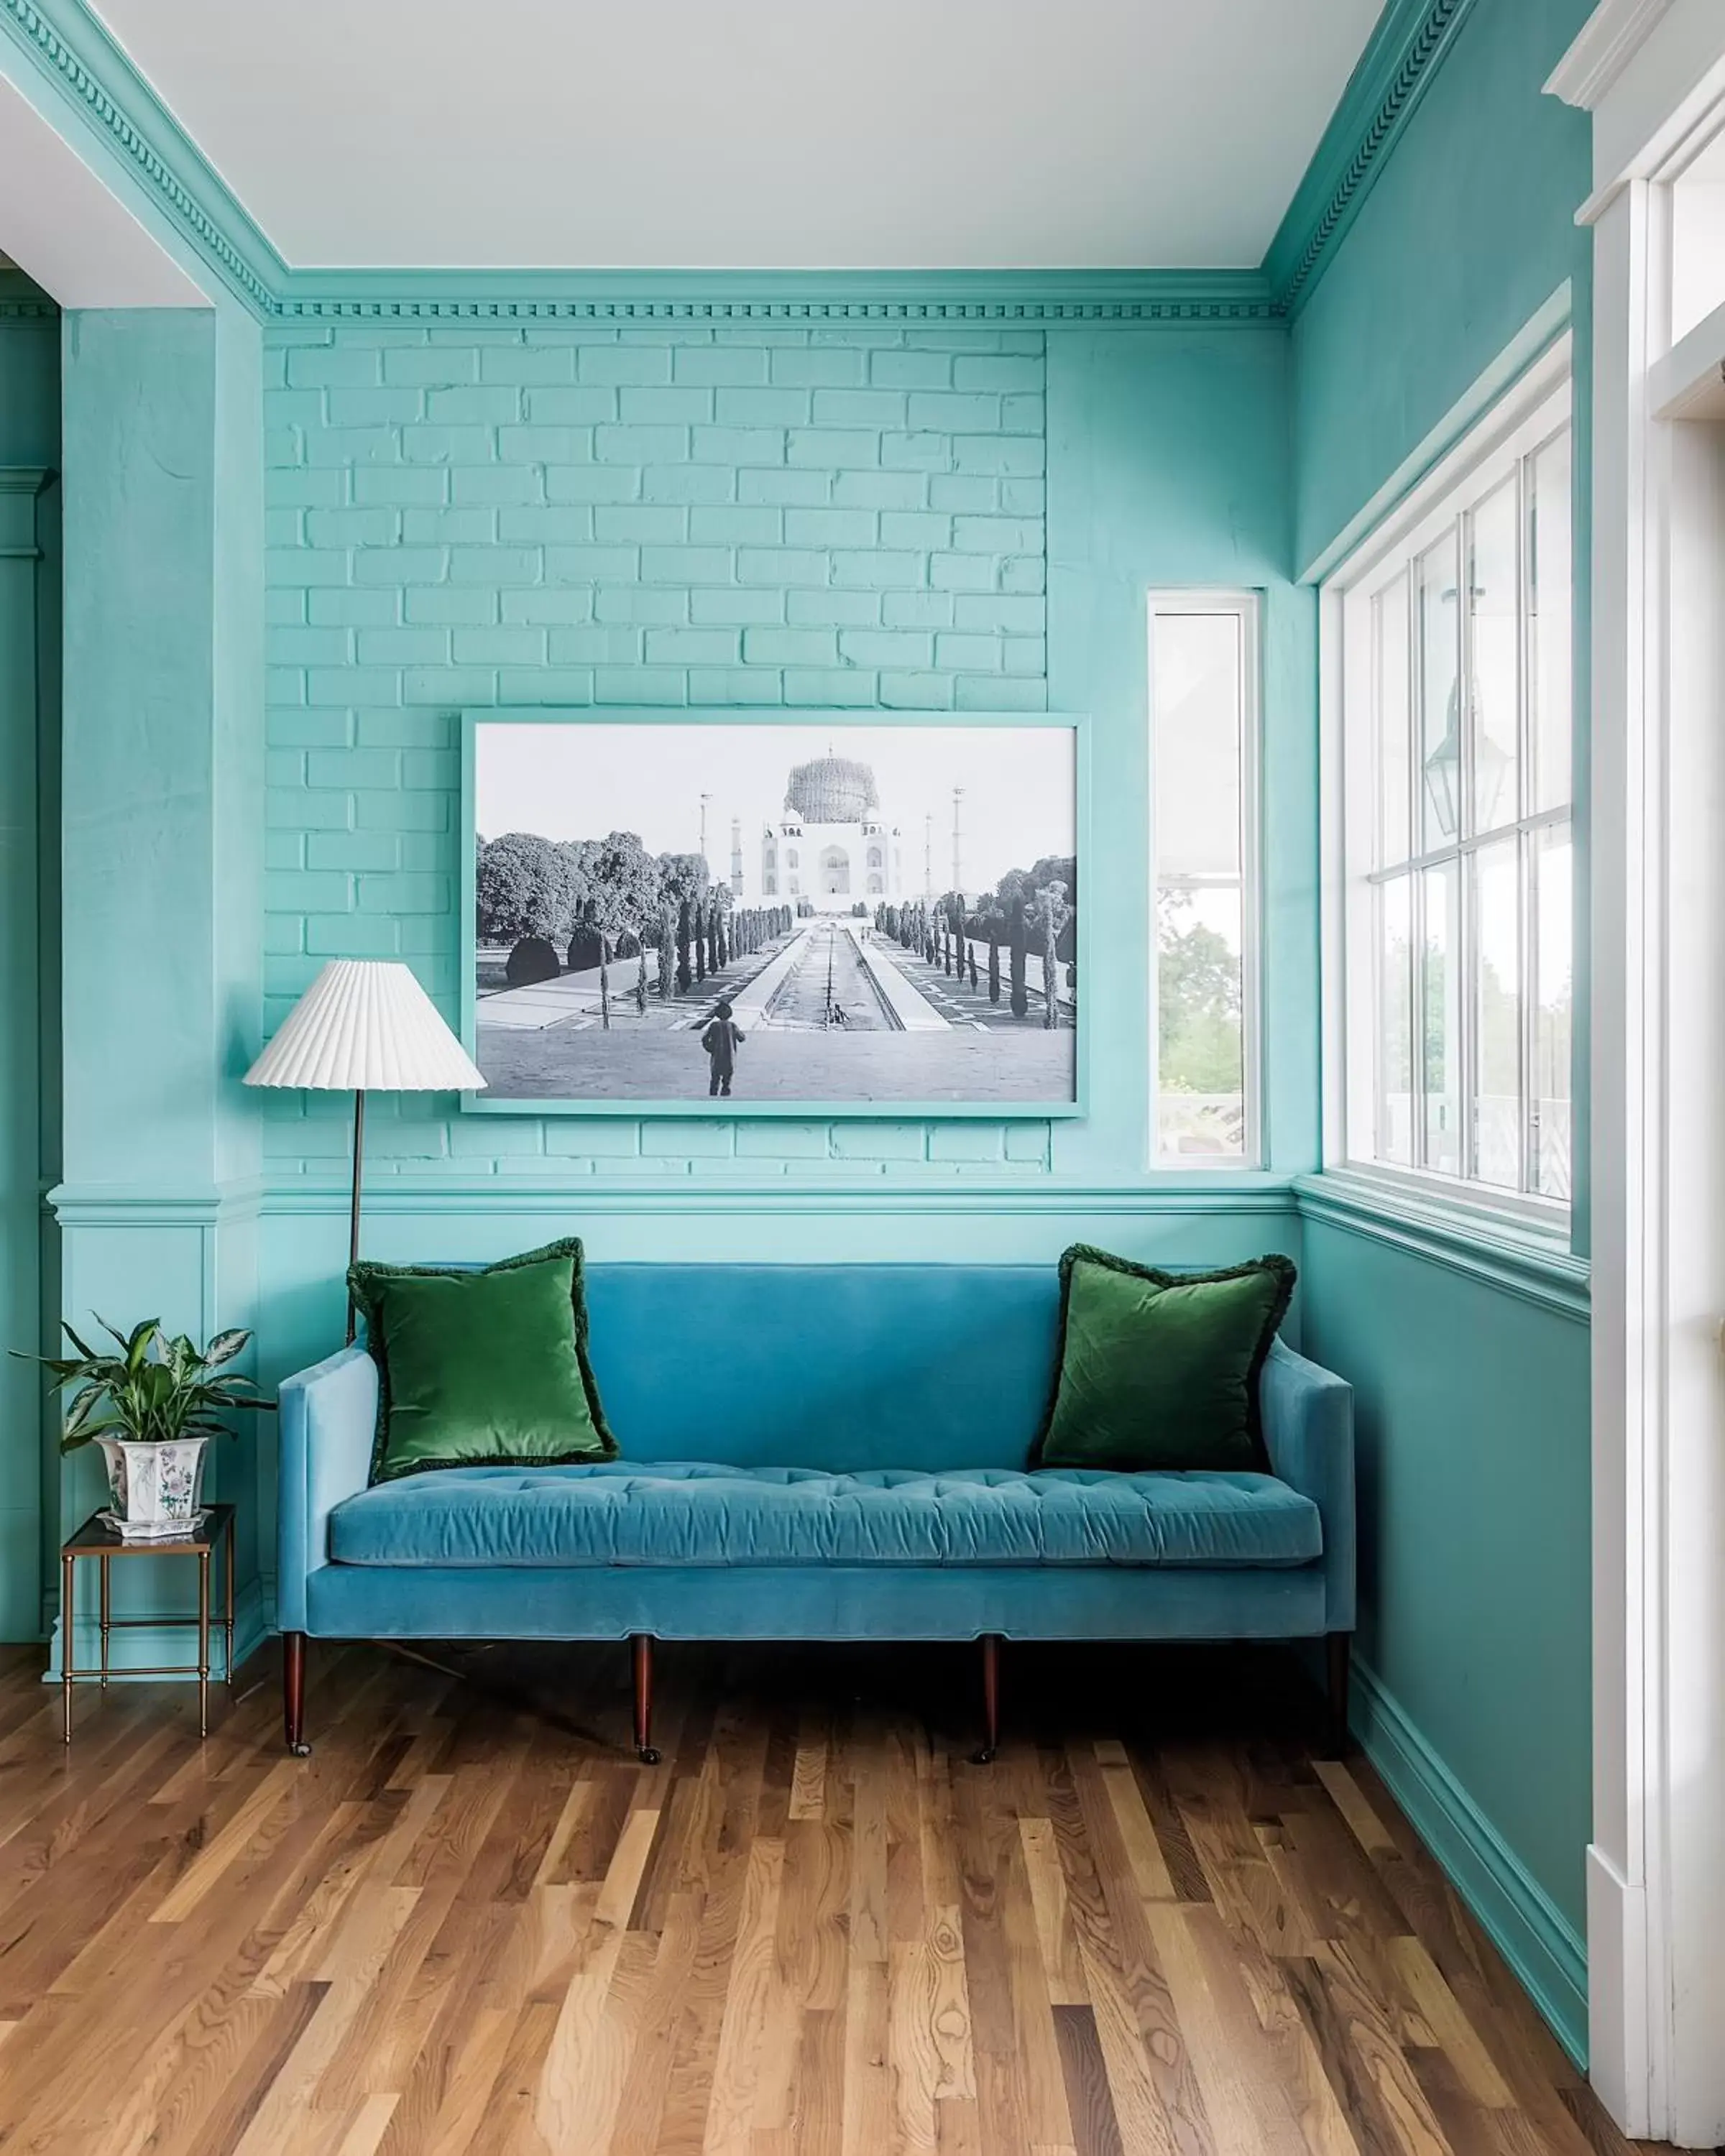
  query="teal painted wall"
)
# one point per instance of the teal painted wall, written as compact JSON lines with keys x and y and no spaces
{"x":901,"y":516}
{"x":474,"y":515}
{"x":1170,"y":464}
{"x":29,"y":642}
{"x":1473,"y":1407}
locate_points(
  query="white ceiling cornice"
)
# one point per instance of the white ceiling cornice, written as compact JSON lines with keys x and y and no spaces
{"x":97,"y":81}
{"x":1610,"y":39}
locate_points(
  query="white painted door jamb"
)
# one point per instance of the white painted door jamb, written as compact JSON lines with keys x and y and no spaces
{"x":1652,"y":72}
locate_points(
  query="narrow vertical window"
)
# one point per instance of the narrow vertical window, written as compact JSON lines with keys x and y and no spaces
{"x":1203,"y":722}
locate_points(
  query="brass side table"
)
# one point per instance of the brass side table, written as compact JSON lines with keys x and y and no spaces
{"x":96,"y":1539}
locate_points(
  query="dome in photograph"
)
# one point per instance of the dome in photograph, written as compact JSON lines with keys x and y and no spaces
{"x":831,"y":789}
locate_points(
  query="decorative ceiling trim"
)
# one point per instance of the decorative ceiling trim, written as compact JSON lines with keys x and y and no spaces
{"x":958,"y":297}
{"x":1606,"y":44}
{"x":1398,"y":65}
{"x":75,"y":55}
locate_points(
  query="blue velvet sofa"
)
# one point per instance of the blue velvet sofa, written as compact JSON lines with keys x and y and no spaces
{"x":829,"y":1452}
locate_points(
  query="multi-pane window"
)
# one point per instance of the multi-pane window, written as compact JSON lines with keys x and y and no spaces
{"x":1455,"y":728}
{"x":1203,"y":674}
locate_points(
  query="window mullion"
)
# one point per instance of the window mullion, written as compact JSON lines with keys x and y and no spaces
{"x":1414,"y":970}
{"x":1413,"y":720}
{"x":1527,"y":843}
{"x":1527,"y":889}
{"x":1465,"y":961}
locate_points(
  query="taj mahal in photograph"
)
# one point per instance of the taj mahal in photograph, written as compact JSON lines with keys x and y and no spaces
{"x":831,"y":840}
{"x":830,"y":913}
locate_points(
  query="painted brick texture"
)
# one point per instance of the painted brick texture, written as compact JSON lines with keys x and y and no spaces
{"x":546,"y":515}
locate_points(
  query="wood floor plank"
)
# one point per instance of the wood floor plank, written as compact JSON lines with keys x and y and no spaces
{"x":1095,"y":2130}
{"x":1062,"y":1965}
{"x":465,"y":1928}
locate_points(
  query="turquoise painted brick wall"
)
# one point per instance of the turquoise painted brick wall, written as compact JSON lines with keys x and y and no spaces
{"x":460,"y":516}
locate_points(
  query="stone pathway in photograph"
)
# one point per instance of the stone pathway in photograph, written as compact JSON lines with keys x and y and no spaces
{"x":633,"y":1062}
{"x":570,"y":999}
{"x":573,"y":999}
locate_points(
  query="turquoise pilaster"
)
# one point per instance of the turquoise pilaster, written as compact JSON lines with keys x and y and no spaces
{"x":162,"y":750}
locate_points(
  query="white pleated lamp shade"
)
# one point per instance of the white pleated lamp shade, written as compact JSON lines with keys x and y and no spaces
{"x":365,"y":1025}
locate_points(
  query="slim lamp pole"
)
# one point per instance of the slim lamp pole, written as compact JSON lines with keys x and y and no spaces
{"x":359,"y":1146}
{"x":365,"y":1024}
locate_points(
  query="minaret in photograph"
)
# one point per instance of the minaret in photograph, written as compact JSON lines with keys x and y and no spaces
{"x":737,"y":857}
{"x":957,"y":841}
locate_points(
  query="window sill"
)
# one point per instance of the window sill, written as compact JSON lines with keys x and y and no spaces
{"x":1516,"y":1259}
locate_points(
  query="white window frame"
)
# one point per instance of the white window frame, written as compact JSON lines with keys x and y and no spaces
{"x":1528,"y":414}
{"x":1246,"y":605}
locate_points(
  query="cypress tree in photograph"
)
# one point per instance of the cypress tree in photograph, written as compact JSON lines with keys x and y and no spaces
{"x":1016,"y":932}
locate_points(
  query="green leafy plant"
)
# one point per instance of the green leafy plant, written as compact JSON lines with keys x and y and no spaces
{"x":157,"y":1389}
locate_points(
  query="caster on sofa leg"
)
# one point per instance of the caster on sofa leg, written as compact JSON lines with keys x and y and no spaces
{"x":293,"y":1693}
{"x":991,"y":1700}
{"x":646,"y":1750}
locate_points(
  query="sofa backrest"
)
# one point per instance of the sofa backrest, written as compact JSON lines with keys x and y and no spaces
{"x":841,"y":1366}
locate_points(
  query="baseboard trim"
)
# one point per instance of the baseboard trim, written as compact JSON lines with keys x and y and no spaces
{"x":156,"y":1645}
{"x":1516,"y":1912}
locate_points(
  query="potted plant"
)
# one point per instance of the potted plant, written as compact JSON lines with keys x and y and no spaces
{"x":153,"y":1407}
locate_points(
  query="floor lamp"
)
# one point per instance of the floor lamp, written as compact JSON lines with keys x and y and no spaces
{"x":365,"y":1026}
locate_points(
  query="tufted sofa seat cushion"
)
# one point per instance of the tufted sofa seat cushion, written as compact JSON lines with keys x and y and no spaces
{"x":694,"y":1513}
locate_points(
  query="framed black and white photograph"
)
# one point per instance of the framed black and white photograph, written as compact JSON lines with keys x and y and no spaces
{"x":773,"y":913}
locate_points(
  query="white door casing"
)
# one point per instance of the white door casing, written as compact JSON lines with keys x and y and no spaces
{"x":1652,"y":72}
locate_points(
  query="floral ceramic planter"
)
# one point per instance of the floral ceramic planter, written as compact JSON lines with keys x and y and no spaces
{"x":157,"y":1489}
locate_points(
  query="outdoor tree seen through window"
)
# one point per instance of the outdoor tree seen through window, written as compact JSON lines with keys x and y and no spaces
{"x":1200,"y":680}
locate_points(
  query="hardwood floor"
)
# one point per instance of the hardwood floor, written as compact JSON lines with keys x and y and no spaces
{"x":1154,"y":1924}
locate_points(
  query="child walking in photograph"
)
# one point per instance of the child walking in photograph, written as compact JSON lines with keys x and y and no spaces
{"x":722,"y":1041}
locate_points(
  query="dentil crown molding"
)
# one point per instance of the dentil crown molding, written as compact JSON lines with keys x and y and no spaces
{"x":89,"y":73}
{"x":1394,"y":71}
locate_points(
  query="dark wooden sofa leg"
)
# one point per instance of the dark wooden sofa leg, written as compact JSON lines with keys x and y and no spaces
{"x":293,"y":1693}
{"x":641,"y":1644}
{"x":991,"y":1699}
{"x":1337,"y":1646}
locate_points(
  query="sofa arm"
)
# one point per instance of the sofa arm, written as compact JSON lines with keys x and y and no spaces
{"x":1308,"y":1426}
{"x":328,"y":1418}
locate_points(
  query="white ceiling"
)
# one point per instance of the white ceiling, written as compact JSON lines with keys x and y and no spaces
{"x":754,"y":134}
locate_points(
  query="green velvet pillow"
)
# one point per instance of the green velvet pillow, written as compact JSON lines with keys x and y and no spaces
{"x":1160,"y":1370}
{"x":486,"y":1367}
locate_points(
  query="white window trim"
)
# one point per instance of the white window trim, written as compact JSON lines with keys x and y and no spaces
{"x":1536,"y":405}
{"x":1248,"y":605}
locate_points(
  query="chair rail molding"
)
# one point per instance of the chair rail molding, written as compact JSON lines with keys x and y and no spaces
{"x":928,"y":1193}
{"x":1464,"y":1240}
